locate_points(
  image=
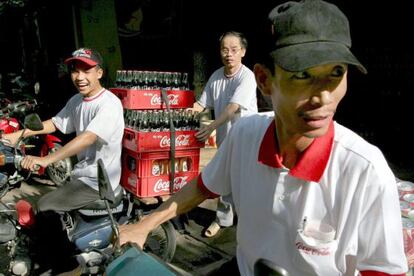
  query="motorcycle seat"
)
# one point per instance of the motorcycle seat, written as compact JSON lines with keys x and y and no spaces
{"x":100,"y":204}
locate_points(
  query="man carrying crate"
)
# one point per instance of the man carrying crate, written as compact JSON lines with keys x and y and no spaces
{"x":231,"y":92}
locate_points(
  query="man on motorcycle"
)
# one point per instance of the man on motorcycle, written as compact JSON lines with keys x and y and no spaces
{"x":96,"y":116}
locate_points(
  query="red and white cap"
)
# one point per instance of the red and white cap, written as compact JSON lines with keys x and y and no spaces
{"x":85,"y":55}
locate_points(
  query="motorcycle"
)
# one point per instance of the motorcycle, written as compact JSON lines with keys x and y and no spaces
{"x":128,"y":259}
{"x":90,"y":228}
{"x":10,"y":158}
{"x":11,"y":114}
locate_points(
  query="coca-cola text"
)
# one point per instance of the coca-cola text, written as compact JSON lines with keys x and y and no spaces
{"x":164,"y":185}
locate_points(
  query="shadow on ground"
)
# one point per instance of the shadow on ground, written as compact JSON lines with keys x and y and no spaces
{"x":198,"y":254}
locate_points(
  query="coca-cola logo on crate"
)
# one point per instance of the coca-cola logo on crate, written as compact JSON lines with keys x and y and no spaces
{"x":164,"y":185}
{"x":172,"y":99}
{"x":180,"y":141}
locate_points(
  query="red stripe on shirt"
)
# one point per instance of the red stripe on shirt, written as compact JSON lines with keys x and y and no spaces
{"x":377,"y":273}
{"x":204,"y":189}
{"x":88,"y":99}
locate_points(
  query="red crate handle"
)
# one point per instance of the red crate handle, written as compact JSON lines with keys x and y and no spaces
{"x":120,"y":94}
{"x":129,"y":135}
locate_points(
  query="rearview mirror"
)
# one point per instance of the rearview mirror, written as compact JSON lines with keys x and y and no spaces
{"x":105,"y":188}
{"x":33,"y":122}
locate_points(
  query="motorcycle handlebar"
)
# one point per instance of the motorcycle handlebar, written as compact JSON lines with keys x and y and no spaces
{"x":18,"y":163}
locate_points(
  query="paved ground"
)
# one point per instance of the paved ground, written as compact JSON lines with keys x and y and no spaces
{"x":195,"y":254}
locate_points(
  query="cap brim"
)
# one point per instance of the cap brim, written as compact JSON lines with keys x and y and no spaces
{"x":299,"y":57}
{"x":81,"y":59}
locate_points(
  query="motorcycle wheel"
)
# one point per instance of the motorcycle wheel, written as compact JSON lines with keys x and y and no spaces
{"x":60,"y":171}
{"x":162,"y":242}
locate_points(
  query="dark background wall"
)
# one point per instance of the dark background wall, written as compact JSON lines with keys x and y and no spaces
{"x":166,"y":34}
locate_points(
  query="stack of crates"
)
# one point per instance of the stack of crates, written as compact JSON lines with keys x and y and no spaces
{"x":146,"y":157}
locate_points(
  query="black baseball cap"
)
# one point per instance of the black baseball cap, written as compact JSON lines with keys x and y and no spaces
{"x":310,"y":33}
{"x":85,"y":55}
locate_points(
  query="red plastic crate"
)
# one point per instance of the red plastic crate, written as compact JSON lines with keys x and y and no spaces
{"x":151,"y":99}
{"x":159,"y":141}
{"x":137,"y":172}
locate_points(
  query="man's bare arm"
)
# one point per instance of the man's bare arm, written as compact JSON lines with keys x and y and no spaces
{"x":183,"y":201}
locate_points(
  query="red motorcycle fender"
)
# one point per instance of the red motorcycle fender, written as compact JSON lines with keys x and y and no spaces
{"x":25,"y":213}
{"x":49,"y":143}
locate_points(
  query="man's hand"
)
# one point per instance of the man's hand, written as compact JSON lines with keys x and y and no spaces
{"x":196,"y":108}
{"x":11,"y":139}
{"x":32,"y":163}
{"x":204,"y":133}
{"x":135,"y":233}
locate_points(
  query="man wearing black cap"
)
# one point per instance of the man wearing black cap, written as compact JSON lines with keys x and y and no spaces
{"x":96,"y":116}
{"x":311,"y":196}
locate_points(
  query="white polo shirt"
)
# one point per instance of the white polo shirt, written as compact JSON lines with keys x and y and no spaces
{"x":341,"y":186}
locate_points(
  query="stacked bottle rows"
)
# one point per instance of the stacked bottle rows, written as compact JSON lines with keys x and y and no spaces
{"x":151,"y":80}
{"x":149,"y":162}
{"x":162,"y":167}
{"x":158,"y":120}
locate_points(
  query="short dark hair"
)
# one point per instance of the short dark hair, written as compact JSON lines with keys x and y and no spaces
{"x":242,"y":38}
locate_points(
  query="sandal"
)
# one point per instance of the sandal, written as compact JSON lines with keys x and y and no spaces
{"x":212,"y":230}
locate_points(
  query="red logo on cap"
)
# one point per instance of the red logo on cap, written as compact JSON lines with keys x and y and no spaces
{"x":82,"y":53}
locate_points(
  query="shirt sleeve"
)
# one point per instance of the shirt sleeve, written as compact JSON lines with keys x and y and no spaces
{"x":206,"y":99}
{"x":203,"y":99}
{"x":216,"y":175}
{"x":380,"y":236}
{"x":204,"y":189}
{"x":64,"y":119}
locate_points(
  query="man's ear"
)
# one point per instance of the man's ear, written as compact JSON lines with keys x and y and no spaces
{"x":100,"y":72}
{"x":263,"y":78}
{"x":243,"y":53}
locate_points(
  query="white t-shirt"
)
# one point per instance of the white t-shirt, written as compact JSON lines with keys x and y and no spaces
{"x":220,"y":91}
{"x":101,"y":114}
{"x":342,"y":187}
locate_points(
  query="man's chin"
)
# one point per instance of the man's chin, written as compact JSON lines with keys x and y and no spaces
{"x":315,"y":133}
{"x":84,"y":92}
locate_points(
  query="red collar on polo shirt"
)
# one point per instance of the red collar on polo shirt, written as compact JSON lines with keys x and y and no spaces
{"x":311,"y":164}
{"x":88,"y":99}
